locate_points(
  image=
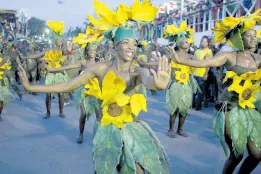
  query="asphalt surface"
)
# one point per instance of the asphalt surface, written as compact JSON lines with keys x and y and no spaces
{"x":31,"y":145}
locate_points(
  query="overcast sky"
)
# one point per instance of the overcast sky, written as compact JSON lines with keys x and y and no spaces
{"x":72,"y":12}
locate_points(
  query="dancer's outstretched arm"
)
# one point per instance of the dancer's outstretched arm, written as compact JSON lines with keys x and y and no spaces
{"x":77,"y":64}
{"x":59,"y":87}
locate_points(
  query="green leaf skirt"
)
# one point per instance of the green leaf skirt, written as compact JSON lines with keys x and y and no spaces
{"x":134,"y":143}
{"x":179,"y":96}
{"x":90,"y":103}
{"x":243,"y":123}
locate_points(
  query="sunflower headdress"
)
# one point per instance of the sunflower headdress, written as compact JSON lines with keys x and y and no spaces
{"x":176,"y":34}
{"x":117,"y":107}
{"x":57,"y":28}
{"x":91,"y":37}
{"x":232,"y":28}
{"x":119,"y":25}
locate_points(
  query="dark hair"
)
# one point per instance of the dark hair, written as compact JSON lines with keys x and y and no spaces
{"x":204,"y":37}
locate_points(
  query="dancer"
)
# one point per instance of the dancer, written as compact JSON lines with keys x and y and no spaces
{"x":88,"y":104}
{"x":121,"y":140}
{"x":5,"y":94}
{"x":237,"y":123}
{"x":13,"y":60}
{"x":180,"y":90}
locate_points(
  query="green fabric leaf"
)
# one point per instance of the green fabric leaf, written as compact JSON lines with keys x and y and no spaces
{"x":186,"y":100}
{"x":194,"y":85}
{"x":95,"y":128}
{"x":127,"y":162}
{"x":219,"y":129}
{"x":173,"y":96}
{"x":5,"y":95}
{"x":49,"y":78}
{"x":107,"y":149}
{"x":258,"y":102}
{"x":255,"y":120}
{"x":60,"y":77}
{"x":143,"y":90}
{"x":78,"y":96}
{"x":164,"y":164}
{"x":90,"y":105}
{"x":236,"y":39}
{"x":238,"y":123}
{"x":141,"y":145}
{"x":6,"y":82}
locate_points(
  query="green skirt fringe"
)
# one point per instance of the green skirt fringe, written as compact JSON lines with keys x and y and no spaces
{"x":53,"y":78}
{"x":243,"y":123}
{"x":5,"y":95}
{"x":90,"y":103}
{"x":134,"y":143}
{"x":179,"y":96}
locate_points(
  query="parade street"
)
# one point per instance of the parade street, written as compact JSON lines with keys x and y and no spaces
{"x":31,"y":145}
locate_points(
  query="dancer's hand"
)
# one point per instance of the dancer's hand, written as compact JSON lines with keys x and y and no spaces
{"x":173,"y":55}
{"x":23,"y":78}
{"x":162,"y":76}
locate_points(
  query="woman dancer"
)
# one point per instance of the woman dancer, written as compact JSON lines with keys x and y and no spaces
{"x":121,"y":140}
{"x":237,"y":122}
{"x":180,"y":90}
{"x":5,"y":94}
{"x":87,"y":104}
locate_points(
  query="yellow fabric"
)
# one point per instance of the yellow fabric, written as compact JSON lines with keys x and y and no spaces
{"x":200,"y":55}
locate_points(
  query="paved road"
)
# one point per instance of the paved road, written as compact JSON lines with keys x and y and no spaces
{"x":32,"y":145}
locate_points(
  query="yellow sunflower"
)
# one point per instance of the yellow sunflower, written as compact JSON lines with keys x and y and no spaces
{"x":139,"y":11}
{"x":90,"y":35}
{"x":251,"y":75}
{"x":143,"y":57}
{"x":247,"y":94}
{"x":182,"y":76}
{"x":54,"y":58}
{"x":117,"y":107}
{"x":56,"y":26}
{"x":1,"y":75}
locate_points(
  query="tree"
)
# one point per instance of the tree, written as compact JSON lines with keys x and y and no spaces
{"x":76,"y":31}
{"x":36,"y":26}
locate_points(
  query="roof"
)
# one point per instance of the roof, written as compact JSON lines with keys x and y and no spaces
{"x":3,"y":11}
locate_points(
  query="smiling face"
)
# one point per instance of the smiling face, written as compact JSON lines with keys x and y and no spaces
{"x":249,"y":39}
{"x":204,"y":43}
{"x":184,"y":44}
{"x":91,"y":52}
{"x":127,"y":49}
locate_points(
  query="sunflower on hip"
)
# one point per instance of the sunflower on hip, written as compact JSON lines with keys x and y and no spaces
{"x":4,"y":67}
{"x":182,"y":75}
{"x":117,"y":107}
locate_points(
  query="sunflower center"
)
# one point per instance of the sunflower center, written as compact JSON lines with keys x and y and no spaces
{"x":115,"y":110}
{"x":246,"y":94}
{"x":183,"y":76}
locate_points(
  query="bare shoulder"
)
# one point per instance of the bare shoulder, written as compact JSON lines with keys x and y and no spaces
{"x":257,"y":57}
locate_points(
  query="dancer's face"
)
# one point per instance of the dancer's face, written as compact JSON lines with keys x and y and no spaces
{"x":59,"y":42}
{"x":91,"y":52}
{"x":184,"y":44}
{"x":127,"y":49}
{"x":204,"y":43}
{"x":249,"y":39}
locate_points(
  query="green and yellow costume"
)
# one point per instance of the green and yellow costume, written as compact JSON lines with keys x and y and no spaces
{"x":182,"y":86}
{"x":241,"y":99}
{"x":5,"y":94}
{"x":120,"y":139}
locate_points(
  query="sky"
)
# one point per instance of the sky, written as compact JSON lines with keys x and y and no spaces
{"x":72,"y":12}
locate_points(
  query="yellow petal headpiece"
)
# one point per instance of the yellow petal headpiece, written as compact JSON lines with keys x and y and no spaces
{"x":91,"y":37}
{"x":175,"y":34}
{"x":231,"y":29}
{"x":108,"y":20}
{"x":56,"y":26}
